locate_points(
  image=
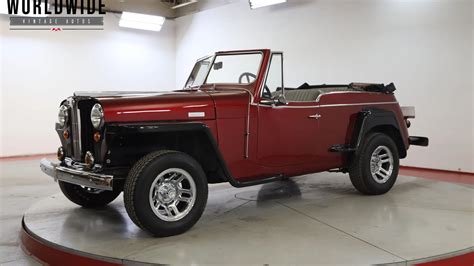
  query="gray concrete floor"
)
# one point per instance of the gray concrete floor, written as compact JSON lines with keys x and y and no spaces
{"x":310,"y":219}
{"x":21,"y":184}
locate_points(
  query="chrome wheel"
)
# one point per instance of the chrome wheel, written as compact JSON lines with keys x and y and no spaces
{"x":172,"y":194}
{"x":381,"y":164}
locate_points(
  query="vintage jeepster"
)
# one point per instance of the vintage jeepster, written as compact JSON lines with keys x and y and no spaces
{"x":235,"y":122}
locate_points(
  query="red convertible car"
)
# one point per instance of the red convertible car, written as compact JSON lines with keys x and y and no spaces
{"x":235,"y":122}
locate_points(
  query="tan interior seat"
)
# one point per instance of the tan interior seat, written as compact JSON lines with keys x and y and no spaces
{"x":309,"y":95}
{"x":305,"y":95}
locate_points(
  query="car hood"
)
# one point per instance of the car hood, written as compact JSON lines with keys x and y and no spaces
{"x":154,"y":106}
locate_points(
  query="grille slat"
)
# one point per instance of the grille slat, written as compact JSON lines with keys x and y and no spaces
{"x":81,"y":128}
{"x":75,"y":127}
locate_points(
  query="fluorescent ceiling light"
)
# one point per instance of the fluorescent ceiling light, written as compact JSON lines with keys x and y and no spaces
{"x":184,"y":4}
{"x":4,"y":8}
{"x":261,"y":3}
{"x":141,"y":21}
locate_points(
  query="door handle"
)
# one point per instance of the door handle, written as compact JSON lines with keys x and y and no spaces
{"x":316,"y":116}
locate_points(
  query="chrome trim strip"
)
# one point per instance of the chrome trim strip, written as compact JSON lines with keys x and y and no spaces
{"x":76,"y":149}
{"x":327,"y":105}
{"x":340,"y":92}
{"x":77,"y":177}
{"x":356,"y":104}
{"x":79,"y":129}
{"x":334,"y":92}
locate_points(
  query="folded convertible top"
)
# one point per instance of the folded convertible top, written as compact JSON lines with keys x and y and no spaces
{"x":390,"y":88}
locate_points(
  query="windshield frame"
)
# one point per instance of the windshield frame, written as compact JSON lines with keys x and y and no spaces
{"x":227,"y":54}
{"x":212,"y":57}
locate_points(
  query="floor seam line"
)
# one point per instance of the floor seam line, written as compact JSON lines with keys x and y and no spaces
{"x":240,"y":205}
{"x":342,"y":231}
{"x":126,"y":257}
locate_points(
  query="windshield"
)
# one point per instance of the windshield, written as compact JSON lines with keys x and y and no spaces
{"x":200,"y":70}
{"x":226,"y":69}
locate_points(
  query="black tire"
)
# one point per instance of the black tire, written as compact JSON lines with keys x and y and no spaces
{"x":139,"y":183}
{"x":360,"y":169}
{"x":87,"y":198}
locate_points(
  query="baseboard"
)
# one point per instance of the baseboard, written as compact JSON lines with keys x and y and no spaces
{"x":434,"y":170}
{"x":26,"y":156}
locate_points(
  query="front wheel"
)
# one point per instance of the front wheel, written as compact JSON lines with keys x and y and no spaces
{"x":165,"y":193}
{"x":374,"y":169}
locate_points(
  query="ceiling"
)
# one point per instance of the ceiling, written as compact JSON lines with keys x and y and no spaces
{"x":159,"y":7}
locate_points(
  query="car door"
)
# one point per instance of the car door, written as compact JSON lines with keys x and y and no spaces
{"x":286,"y":132}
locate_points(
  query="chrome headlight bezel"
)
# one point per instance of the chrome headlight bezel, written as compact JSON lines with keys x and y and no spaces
{"x":97,"y":116}
{"x":63,"y":115}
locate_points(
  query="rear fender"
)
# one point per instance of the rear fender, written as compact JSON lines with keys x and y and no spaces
{"x":378,"y":120}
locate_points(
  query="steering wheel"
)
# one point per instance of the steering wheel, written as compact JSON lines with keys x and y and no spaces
{"x":266,"y":91}
{"x":248,"y":75}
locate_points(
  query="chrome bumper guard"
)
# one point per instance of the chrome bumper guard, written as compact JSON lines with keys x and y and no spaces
{"x":77,"y":176}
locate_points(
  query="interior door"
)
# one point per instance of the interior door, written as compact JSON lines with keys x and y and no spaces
{"x":287,"y":134}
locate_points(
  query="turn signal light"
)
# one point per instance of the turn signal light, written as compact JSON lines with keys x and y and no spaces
{"x":66,"y":134}
{"x":97,"y":136}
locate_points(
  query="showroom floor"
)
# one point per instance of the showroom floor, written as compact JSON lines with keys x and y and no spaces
{"x":312,"y":217}
{"x":21,"y":185}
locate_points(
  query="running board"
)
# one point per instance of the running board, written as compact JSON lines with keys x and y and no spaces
{"x":249,"y":183}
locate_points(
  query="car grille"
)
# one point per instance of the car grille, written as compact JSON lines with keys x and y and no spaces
{"x":81,"y":128}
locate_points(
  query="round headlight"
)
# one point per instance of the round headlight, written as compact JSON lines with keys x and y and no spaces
{"x":63,"y":115}
{"x":97,"y":116}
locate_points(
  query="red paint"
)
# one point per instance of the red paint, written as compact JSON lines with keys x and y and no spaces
{"x":167,"y":106}
{"x":50,"y":255}
{"x":461,"y":260}
{"x":439,"y":175}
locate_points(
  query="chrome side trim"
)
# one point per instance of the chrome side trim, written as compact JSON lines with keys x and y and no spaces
{"x":326,"y":105}
{"x":79,"y":131}
{"x":76,"y":176}
{"x":356,"y":104}
{"x":334,"y":92}
{"x":340,"y":92}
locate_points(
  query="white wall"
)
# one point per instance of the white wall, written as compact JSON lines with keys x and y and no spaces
{"x":39,"y":69}
{"x":425,"y":47}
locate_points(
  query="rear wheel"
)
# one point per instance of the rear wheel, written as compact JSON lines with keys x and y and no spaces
{"x":165,"y":193}
{"x":374,"y":169}
{"x":87,"y":197}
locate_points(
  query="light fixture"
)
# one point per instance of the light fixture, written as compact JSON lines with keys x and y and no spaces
{"x":261,"y":3}
{"x":184,"y":4}
{"x":19,"y":5}
{"x":141,"y":21}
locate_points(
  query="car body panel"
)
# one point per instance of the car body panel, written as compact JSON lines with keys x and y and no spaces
{"x":257,"y":140}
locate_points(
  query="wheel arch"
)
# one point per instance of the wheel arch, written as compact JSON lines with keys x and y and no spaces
{"x":378,"y":120}
{"x":128,"y":143}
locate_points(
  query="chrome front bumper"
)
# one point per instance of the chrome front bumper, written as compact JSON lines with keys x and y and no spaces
{"x":77,"y":176}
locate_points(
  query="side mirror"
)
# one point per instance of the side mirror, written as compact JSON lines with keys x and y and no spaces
{"x":281,"y":100}
{"x":278,"y":100}
{"x":218,"y":65}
